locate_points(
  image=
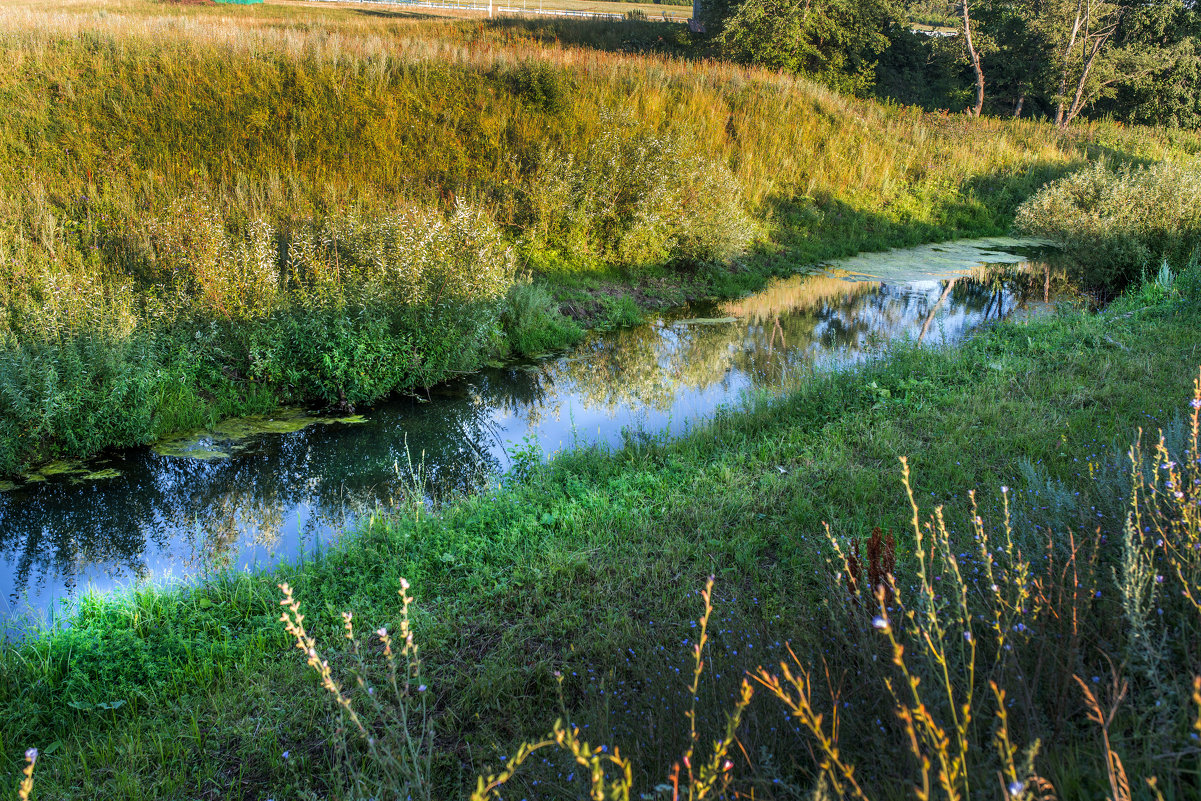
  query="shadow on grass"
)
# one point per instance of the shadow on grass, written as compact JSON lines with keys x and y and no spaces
{"x":613,"y":36}
{"x":817,"y":228}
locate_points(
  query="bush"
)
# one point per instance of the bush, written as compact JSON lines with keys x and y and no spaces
{"x":340,"y":311}
{"x":1116,"y":224}
{"x":540,"y":85}
{"x":638,"y":199}
{"x":533,"y":323}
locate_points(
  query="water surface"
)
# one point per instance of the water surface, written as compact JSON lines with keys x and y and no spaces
{"x":254,"y":492}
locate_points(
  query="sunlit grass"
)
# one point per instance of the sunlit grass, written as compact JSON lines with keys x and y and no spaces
{"x":261,"y":125}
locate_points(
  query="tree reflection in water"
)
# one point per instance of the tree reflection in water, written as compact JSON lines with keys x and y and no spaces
{"x":280,"y":494}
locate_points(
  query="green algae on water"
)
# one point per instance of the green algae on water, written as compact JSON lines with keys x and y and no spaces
{"x":227,"y":437}
{"x":98,"y":475}
{"x":944,"y":260}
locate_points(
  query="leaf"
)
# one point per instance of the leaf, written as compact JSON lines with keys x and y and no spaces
{"x":50,"y":749}
{"x":205,"y":603}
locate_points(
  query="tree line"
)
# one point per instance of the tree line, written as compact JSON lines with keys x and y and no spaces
{"x":1136,"y":61}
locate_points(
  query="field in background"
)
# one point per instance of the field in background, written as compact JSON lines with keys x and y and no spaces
{"x":596,"y":9}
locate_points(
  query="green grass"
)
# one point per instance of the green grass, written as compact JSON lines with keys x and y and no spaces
{"x":589,"y":566}
{"x":156,"y":157}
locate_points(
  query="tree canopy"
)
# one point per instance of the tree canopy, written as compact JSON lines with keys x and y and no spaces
{"x":1135,"y":60}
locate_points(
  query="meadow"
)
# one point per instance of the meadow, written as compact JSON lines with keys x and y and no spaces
{"x":314,"y":149}
{"x":945,"y":573}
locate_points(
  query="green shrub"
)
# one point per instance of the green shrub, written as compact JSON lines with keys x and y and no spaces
{"x":337,"y":311}
{"x":1115,"y":224}
{"x":638,"y":199}
{"x":540,"y":85}
{"x":533,"y":323}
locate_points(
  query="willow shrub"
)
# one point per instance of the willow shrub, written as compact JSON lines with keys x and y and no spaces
{"x":1117,"y":223}
{"x":636,"y":199}
{"x":338,"y":311}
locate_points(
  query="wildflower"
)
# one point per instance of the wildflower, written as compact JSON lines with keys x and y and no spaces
{"x":31,"y":755}
{"x":880,"y":623}
{"x":286,"y":754}
{"x":1015,"y":788}
{"x":1196,"y":403}
{"x":382,"y":631}
{"x":421,"y":688}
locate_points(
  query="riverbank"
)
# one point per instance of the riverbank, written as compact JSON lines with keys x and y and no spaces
{"x":589,"y":567}
{"x":210,"y":206}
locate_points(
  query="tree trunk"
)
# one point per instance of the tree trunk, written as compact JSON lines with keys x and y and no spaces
{"x":946,"y":292}
{"x":1088,"y":59}
{"x":1067,"y":58}
{"x":1017,"y":108}
{"x":1067,"y":55}
{"x":975,"y":57}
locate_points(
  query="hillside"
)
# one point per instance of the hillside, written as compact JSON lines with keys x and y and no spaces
{"x":145,"y":146}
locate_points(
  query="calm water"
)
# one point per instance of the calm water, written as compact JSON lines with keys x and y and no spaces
{"x":261,"y":498}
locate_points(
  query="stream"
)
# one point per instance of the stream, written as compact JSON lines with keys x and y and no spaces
{"x":253,"y":492}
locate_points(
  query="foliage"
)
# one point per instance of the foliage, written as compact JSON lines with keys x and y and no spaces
{"x":635,"y":199}
{"x":1057,"y":60}
{"x":833,"y":42}
{"x":975,"y":627}
{"x":532,"y":321}
{"x":1117,"y":224}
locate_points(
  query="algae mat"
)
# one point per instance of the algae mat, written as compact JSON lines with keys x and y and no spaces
{"x":945,"y":260}
{"x":230,"y":436}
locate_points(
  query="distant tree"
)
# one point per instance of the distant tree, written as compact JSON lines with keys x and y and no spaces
{"x":1169,"y":93}
{"x":834,"y":42}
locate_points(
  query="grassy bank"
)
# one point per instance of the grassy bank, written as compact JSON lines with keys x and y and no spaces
{"x":206,"y":208}
{"x":589,"y":567}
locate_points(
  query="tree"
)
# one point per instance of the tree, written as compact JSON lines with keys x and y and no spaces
{"x":834,"y":42}
{"x":1170,"y":92}
{"x":974,"y":56}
